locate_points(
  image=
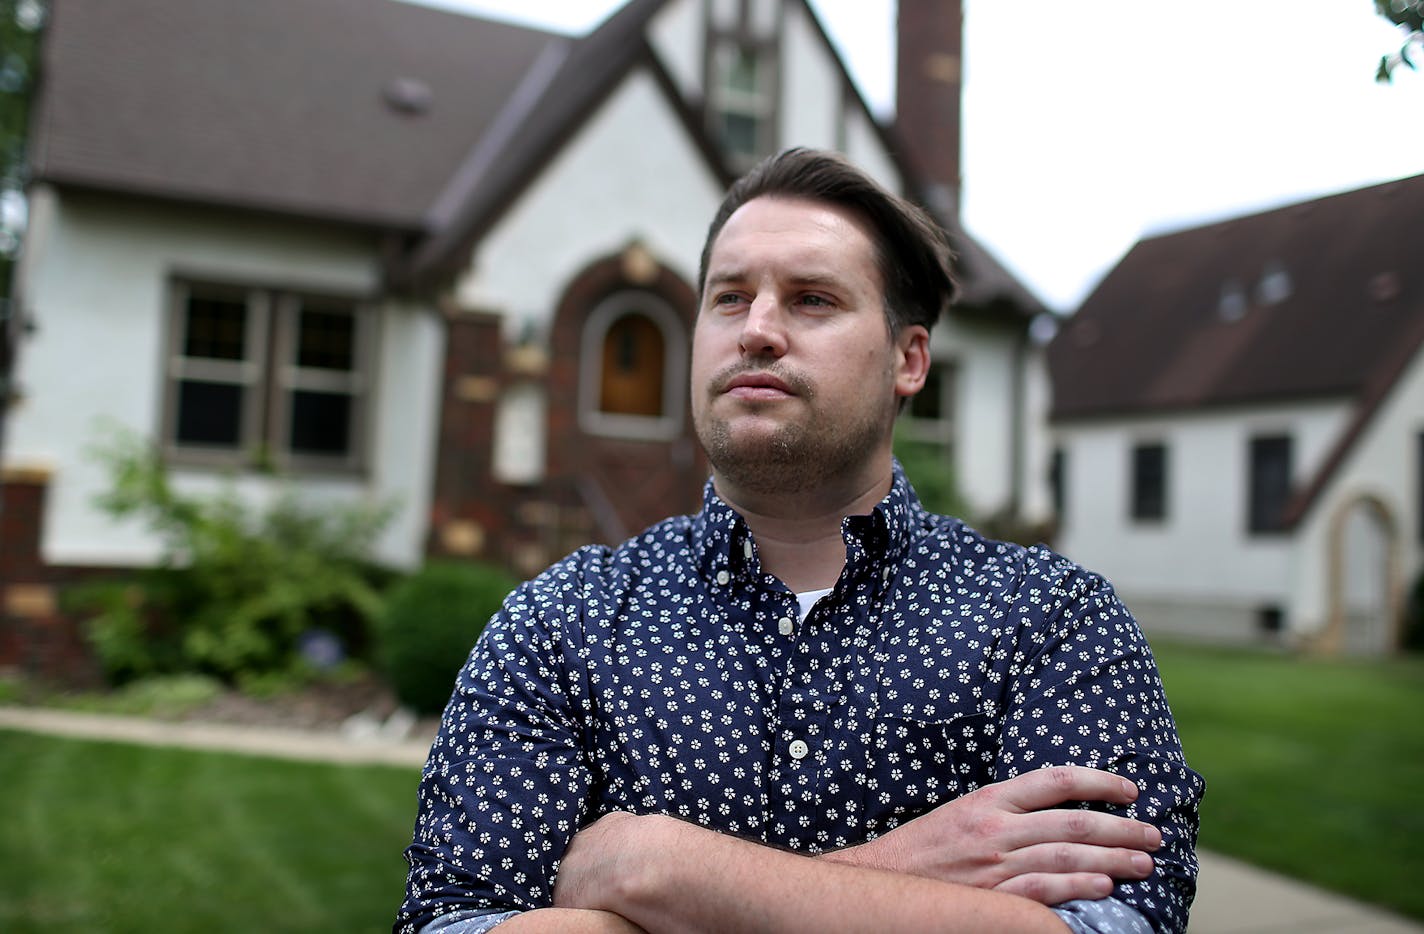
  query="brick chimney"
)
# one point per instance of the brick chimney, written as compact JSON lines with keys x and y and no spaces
{"x":927,"y":95}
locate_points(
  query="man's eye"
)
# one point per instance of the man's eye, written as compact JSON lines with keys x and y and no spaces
{"x":728,"y":298}
{"x":815,"y":300}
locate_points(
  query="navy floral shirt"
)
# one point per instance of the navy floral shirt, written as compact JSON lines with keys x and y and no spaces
{"x":673,"y":675}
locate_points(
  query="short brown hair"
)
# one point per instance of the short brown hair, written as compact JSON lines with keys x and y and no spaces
{"x":911,"y":250}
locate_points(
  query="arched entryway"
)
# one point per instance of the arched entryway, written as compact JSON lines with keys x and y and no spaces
{"x":1364,"y":591}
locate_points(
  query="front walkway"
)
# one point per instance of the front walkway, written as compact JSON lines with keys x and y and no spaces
{"x":1232,"y":897}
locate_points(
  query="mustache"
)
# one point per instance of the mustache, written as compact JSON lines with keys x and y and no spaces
{"x":722,"y":379}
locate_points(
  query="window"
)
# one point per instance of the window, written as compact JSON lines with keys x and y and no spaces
{"x":633,"y":369}
{"x":1058,"y":481}
{"x":1149,"y":482}
{"x":742,"y":100}
{"x":263,"y":377}
{"x":929,"y":415}
{"x":1270,"y":484}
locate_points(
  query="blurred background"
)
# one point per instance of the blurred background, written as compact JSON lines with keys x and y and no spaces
{"x":324,"y":321}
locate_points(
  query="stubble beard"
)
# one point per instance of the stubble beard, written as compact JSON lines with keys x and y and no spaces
{"x":798,"y":453}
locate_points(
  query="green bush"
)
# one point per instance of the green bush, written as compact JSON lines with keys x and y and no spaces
{"x":236,"y":588}
{"x":431,"y":620}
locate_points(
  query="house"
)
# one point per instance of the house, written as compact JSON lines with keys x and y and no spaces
{"x":398,"y":252}
{"x":1239,"y":419}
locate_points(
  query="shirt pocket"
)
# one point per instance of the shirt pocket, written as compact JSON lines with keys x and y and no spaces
{"x":913,"y":766}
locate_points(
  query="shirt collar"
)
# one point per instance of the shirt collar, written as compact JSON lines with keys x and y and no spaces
{"x":722,"y":543}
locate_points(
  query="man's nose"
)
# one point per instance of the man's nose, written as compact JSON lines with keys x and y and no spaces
{"x":764,"y":328}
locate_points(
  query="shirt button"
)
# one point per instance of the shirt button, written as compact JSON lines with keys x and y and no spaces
{"x":747,"y":547}
{"x":798,"y":749}
{"x":723,"y":577}
{"x":786,"y":626}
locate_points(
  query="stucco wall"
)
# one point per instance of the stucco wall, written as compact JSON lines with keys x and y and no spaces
{"x":1383,"y":465}
{"x":1200,"y":557}
{"x":630,"y":174}
{"x":96,"y":355}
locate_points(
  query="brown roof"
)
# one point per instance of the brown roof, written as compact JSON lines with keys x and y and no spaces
{"x":1313,"y":300}
{"x":281,"y":105}
{"x":313,"y":108}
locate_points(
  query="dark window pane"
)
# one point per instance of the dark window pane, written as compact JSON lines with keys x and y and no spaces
{"x":929,"y":402}
{"x":740,"y":133}
{"x":209,"y":414}
{"x":321,"y":423}
{"x":742,"y":75}
{"x":1149,"y":481}
{"x":326,"y":338}
{"x":1270,"y":483}
{"x":216,"y":328}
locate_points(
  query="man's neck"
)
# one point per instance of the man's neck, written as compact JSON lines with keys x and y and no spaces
{"x":798,"y":535}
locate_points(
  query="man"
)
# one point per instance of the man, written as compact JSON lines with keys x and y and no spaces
{"x":812,"y":706}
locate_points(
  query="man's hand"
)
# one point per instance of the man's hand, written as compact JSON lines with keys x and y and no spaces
{"x":1014,"y":837}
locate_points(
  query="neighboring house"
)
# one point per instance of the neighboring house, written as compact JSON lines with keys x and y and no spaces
{"x":1239,"y":414}
{"x":400,"y":252}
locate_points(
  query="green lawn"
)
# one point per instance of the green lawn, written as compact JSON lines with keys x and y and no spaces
{"x":1314,"y":768}
{"x":114,"y":838}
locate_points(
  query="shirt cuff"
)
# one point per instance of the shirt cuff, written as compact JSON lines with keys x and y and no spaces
{"x":1102,"y":916}
{"x":473,"y":921}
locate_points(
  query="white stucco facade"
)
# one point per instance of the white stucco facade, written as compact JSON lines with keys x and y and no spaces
{"x":1384,"y":469}
{"x":612,"y":184}
{"x":1199,"y":570}
{"x":97,"y":289}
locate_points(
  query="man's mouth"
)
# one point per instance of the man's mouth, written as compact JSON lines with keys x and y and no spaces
{"x":757,"y":385}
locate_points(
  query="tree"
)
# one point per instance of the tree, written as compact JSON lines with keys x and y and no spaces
{"x":20,"y":22}
{"x":1408,"y":15}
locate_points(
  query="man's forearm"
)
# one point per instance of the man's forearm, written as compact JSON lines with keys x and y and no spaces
{"x":663,"y":874}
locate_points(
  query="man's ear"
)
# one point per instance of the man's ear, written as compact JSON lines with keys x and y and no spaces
{"x":912,"y":360}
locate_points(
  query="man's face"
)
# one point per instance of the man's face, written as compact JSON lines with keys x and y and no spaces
{"x":795,"y":377}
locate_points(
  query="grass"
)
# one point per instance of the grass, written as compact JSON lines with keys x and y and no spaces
{"x":1314,"y":767}
{"x":117,"y":838}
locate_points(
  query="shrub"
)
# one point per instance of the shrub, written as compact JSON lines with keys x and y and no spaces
{"x":236,"y":588}
{"x":431,"y":620}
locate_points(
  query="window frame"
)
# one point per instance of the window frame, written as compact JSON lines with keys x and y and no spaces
{"x":760,"y":105}
{"x":270,"y":375}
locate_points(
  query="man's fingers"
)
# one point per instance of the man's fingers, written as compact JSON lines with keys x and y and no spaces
{"x":1066,"y":859}
{"x":1049,"y":889}
{"x":1047,"y":788}
{"x":1073,"y":825}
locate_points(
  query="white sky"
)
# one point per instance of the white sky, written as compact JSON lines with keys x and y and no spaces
{"x":1087,"y":125}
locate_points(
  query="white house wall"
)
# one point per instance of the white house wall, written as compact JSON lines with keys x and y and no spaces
{"x":1198,"y":571}
{"x":987,"y":373}
{"x":676,"y":37}
{"x":631,"y":173}
{"x":96,"y":355}
{"x":810,"y":85}
{"x":1383,"y":464}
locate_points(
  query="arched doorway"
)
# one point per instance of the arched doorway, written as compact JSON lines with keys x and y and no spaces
{"x":1363,"y":587}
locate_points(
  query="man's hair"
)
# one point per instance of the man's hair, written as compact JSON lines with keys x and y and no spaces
{"x":911,"y":250}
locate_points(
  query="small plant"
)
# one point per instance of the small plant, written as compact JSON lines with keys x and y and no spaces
{"x":931,"y":474}
{"x":237,"y":588}
{"x":431,"y":620}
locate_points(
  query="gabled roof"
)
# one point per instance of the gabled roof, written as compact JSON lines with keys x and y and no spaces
{"x":556,"y":96}
{"x":1314,"y":300}
{"x":379,"y":113}
{"x":330,"y":109}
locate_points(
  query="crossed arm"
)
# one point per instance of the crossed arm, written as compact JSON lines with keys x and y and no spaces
{"x":991,"y":860}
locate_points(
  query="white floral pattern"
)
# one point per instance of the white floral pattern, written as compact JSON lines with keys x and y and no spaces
{"x":662,"y":676}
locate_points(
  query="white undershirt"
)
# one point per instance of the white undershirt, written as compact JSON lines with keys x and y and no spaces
{"x":808,"y":600}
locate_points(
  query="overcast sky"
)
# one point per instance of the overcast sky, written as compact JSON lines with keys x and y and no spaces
{"x":1088,"y":125}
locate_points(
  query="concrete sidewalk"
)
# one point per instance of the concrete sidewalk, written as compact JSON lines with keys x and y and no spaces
{"x":1232,"y":897}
